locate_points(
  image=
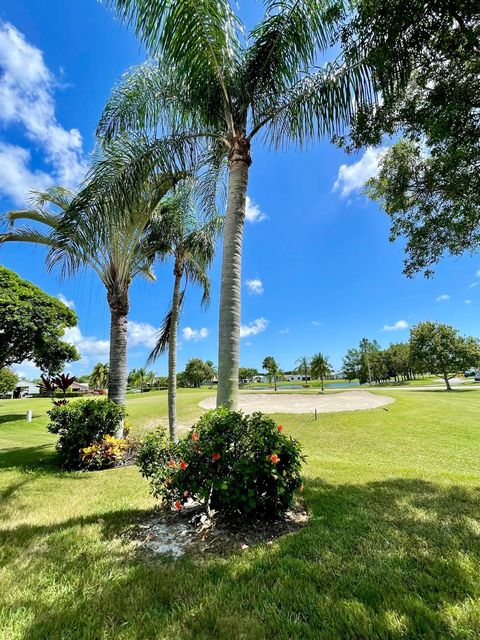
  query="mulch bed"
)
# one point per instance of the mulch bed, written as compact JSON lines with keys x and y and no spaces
{"x":191,"y":530}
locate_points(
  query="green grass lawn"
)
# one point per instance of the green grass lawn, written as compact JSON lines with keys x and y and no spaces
{"x":392,"y":549}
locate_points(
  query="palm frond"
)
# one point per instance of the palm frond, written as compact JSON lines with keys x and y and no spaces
{"x":285,"y":42}
{"x":27,"y":234}
{"x":163,"y":334}
{"x":196,"y":272}
{"x":200,"y":38}
{"x":319,"y":104}
{"x":148,"y":97}
{"x":118,"y":178}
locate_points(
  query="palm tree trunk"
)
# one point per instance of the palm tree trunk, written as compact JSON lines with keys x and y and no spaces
{"x":321,"y":378}
{"x":117,"y":371}
{"x":230,"y":292}
{"x":172,"y":358}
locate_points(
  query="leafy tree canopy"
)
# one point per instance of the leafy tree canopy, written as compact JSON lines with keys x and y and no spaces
{"x":8,"y":380}
{"x":440,"y":349}
{"x":247,"y":373}
{"x":197,"y":372}
{"x":426,"y":61}
{"x":32,"y":324}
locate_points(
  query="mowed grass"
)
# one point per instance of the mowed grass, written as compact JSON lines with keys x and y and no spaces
{"x":392,"y":549}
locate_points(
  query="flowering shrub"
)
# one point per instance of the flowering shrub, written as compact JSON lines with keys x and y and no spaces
{"x":241,"y":465}
{"x":82,"y":424}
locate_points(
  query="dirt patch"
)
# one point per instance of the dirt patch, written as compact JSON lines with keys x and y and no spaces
{"x":303,"y":403}
{"x":191,"y":530}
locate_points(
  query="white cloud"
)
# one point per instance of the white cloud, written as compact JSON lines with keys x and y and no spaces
{"x":316,"y":323}
{"x":248,"y":344}
{"x":352,"y":177}
{"x":254,"y":286}
{"x":284,"y":332}
{"x":87,"y":345}
{"x":68,"y":303}
{"x":400,"y":324}
{"x":477,"y":273}
{"x":194,"y":334}
{"x":468,"y":301}
{"x":253,"y":213}
{"x":16,"y":178}
{"x":252,"y":329}
{"x":474,"y":284}
{"x":27,"y":98}
{"x":443,"y":297}
{"x":141,"y":333}
{"x":27,"y":370}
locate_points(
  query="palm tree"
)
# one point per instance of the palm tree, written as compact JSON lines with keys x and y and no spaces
{"x":270,"y":365}
{"x":150,"y":379}
{"x":215,"y":85}
{"x":98,"y":235}
{"x":303,"y":367}
{"x":183,"y":233}
{"x":320,"y":367}
{"x":98,"y":379}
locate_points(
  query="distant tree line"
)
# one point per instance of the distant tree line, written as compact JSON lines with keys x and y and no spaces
{"x":433,"y":348}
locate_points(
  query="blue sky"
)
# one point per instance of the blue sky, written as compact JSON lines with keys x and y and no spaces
{"x":319,"y":272}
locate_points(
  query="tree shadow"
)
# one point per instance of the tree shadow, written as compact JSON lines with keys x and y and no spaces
{"x":13,"y":417}
{"x":392,"y":559}
{"x":41,"y":459}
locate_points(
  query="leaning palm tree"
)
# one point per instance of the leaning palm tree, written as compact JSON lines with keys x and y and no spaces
{"x":98,"y":236}
{"x":210,"y":82}
{"x":320,"y":367}
{"x":183,"y":233}
{"x":98,"y":379}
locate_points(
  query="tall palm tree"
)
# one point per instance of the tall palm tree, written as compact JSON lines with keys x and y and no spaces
{"x":303,"y":367}
{"x":210,"y":82}
{"x":320,"y":367}
{"x":98,"y":379}
{"x":183,"y":233}
{"x":97,"y":235}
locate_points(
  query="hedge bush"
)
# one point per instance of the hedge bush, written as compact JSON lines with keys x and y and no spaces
{"x":80,"y":425}
{"x":241,"y":465}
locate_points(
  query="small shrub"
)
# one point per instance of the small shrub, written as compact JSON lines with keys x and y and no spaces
{"x":107,"y":453}
{"x":81,"y":424}
{"x":240,"y":465}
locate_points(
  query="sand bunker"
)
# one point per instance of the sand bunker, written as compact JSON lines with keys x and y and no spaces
{"x":303,"y":403}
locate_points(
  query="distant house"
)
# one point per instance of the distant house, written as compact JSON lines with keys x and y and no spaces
{"x":261,"y":378}
{"x":293,"y":376}
{"x":26,"y":389}
{"x":80,"y":387}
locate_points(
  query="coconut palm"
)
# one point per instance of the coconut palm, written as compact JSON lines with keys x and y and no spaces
{"x":98,"y":236}
{"x":303,"y":367}
{"x":98,"y":379}
{"x":213,"y":83}
{"x":320,"y":367}
{"x":185,"y":234}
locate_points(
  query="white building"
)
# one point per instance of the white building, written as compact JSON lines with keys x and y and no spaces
{"x":293,"y":376}
{"x":26,"y":389}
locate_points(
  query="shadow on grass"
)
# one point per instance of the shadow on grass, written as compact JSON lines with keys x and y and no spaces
{"x":13,"y":417}
{"x":393,"y":559}
{"x":41,"y":459}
